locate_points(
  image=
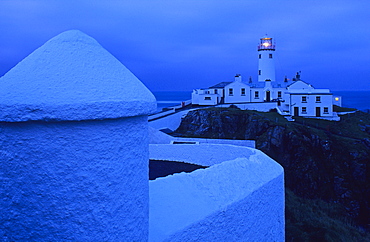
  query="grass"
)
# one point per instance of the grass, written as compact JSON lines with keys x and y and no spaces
{"x":342,"y":109}
{"x":352,"y":125}
{"x":316,"y":220}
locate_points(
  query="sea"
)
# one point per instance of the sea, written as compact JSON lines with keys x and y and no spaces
{"x":354,"y":99}
{"x":171,"y":98}
{"x":350,"y":99}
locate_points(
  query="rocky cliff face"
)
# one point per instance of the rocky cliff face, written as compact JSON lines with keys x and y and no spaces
{"x":322,"y":159}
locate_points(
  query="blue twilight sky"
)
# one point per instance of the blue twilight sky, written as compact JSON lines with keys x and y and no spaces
{"x":176,"y":45}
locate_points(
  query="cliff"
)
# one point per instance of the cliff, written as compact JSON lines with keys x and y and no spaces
{"x":323,"y":160}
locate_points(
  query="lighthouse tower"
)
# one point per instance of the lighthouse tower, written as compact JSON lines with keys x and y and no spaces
{"x":266,"y":66}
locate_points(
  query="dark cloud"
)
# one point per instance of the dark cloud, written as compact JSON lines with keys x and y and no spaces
{"x":181,"y":45}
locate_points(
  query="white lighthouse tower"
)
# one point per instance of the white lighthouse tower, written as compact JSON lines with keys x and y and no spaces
{"x":266,"y":66}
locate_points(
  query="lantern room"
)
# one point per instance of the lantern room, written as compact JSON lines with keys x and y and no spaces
{"x":266,"y":44}
{"x":266,"y":66}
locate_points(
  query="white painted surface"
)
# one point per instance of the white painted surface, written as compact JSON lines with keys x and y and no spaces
{"x":247,"y":143}
{"x":171,"y":122}
{"x":205,"y":154}
{"x":71,"y":77}
{"x":158,"y":137}
{"x":78,"y":181}
{"x":161,"y":114}
{"x":205,"y":97}
{"x":266,"y":65}
{"x":237,"y":96}
{"x":311,"y":105}
{"x":240,"y":199}
{"x":84,"y":179}
{"x":300,"y":86}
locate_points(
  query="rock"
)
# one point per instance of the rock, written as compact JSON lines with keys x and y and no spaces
{"x":319,"y":164}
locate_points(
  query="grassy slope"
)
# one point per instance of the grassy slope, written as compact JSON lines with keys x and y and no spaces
{"x":316,"y":220}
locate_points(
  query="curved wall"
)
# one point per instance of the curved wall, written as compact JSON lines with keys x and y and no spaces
{"x":81,"y":181}
{"x":240,"y":197}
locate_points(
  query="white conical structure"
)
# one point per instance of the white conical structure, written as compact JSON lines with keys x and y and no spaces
{"x":266,"y":65}
{"x":66,"y":78}
{"x":74,"y":152}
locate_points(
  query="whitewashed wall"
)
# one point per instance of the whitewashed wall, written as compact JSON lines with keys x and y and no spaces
{"x":239,"y":198}
{"x":78,"y":181}
{"x":326,"y":101}
{"x":237,"y":95}
{"x":171,"y":122}
{"x":74,"y":146}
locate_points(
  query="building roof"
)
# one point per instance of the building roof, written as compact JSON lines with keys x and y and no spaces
{"x":275,"y":84}
{"x":72,"y":77}
{"x":257,"y":84}
{"x":300,"y":81}
{"x":220,"y":85}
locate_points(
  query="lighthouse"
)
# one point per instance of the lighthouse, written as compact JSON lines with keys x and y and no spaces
{"x":266,"y":55}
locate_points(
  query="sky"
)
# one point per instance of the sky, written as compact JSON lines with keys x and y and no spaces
{"x":178,"y":45}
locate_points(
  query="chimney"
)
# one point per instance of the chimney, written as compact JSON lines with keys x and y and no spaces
{"x":298,"y":75}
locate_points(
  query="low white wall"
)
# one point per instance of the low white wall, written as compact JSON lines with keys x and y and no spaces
{"x":171,"y":122}
{"x":161,"y":114}
{"x":204,"y":154}
{"x":158,"y":137}
{"x":236,"y":199}
{"x":262,"y":107}
{"x":247,"y":143}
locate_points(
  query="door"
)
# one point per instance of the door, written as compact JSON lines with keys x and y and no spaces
{"x":296,"y":111}
{"x":268,"y":96}
{"x":318,"y":112}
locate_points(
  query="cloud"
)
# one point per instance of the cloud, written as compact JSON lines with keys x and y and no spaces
{"x":178,"y":42}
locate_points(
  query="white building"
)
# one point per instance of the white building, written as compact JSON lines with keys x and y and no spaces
{"x":292,"y":97}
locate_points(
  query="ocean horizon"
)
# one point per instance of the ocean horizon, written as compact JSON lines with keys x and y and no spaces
{"x":350,"y":99}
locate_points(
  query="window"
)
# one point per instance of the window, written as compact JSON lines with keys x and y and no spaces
{"x":270,"y":56}
{"x":231,"y":92}
{"x":259,"y":72}
{"x":243,"y":91}
{"x":326,"y":110}
{"x":215,"y":91}
{"x":304,"y":99}
{"x":259,"y":56}
{"x":304,"y":109}
{"x":207,"y":98}
{"x":256,"y":95}
{"x":318,"y":99}
{"x":279,"y":94}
